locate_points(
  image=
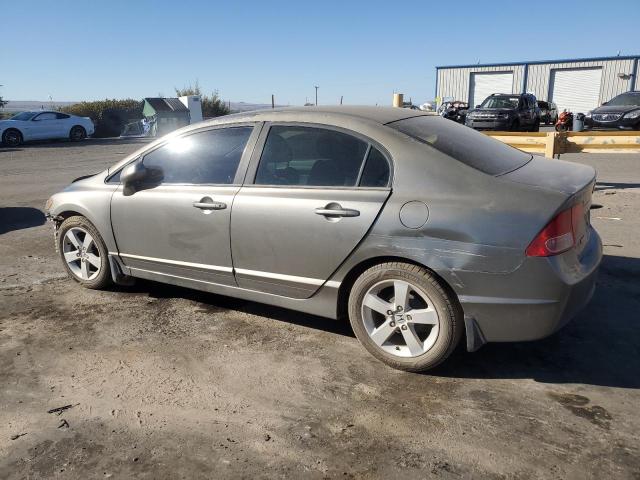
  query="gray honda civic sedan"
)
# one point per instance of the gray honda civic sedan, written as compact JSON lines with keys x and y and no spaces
{"x":417,"y":229}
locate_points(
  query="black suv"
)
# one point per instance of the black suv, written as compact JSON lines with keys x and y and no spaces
{"x":621,"y":112}
{"x":502,"y":111}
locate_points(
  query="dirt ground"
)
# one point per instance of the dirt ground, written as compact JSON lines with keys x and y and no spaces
{"x":164,"y":382}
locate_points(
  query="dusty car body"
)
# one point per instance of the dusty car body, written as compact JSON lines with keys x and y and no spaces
{"x":484,"y":224}
{"x":44,"y":125}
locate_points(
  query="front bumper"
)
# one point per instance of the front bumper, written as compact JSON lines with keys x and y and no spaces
{"x":620,"y":124}
{"x":535,"y":300}
{"x":488,"y":123}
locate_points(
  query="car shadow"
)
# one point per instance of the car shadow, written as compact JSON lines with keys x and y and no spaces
{"x":215,"y":303}
{"x":601,"y":346}
{"x":616,"y":186}
{"x":17,"y":218}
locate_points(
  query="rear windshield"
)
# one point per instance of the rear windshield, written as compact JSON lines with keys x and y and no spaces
{"x":463,"y":144}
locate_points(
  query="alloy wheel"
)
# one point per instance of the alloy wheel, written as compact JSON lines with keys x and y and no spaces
{"x":81,"y":253}
{"x":400,"y":318}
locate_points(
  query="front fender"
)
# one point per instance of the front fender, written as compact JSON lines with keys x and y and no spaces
{"x":93,"y":204}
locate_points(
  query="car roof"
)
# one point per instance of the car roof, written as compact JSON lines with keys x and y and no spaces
{"x":381,"y":115}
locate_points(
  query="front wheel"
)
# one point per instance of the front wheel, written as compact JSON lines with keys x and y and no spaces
{"x":84,"y":253}
{"x":77,"y":134}
{"x":404,"y":317}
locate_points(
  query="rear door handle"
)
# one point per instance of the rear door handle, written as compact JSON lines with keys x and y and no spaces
{"x":336,"y":210}
{"x":210,"y":205}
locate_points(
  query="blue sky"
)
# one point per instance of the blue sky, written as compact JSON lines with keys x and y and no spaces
{"x":85,"y":50}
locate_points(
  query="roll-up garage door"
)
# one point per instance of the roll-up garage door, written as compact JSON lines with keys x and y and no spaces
{"x":485,"y":83}
{"x":577,"y":89}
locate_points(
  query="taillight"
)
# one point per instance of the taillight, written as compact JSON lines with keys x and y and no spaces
{"x":559,"y":234}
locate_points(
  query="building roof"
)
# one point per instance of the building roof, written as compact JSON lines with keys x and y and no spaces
{"x":166,"y":104}
{"x":538,"y":62}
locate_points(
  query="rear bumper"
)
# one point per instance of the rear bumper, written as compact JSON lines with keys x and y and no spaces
{"x":542,"y":296}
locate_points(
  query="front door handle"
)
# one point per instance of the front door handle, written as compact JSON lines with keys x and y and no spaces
{"x":335,"y":210}
{"x":207,"y":203}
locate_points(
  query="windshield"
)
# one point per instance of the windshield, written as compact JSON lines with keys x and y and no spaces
{"x":500,"y":102}
{"x":632,"y":99}
{"x":463,"y":144}
{"x":23,"y":116}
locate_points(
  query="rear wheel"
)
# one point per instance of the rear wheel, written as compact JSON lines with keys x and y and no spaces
{"x":12,"y":137}
{"x":404,"y":317}
{"x":84,"y":253}
{"x":77,"y":133}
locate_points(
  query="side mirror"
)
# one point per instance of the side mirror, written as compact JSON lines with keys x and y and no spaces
{"x":604,"y":103}
{"x":136,"y":176}
{"x":477,"y":106}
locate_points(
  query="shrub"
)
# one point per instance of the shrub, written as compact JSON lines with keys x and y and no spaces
{"x":108,"y":116}
{"x":212,"y":106}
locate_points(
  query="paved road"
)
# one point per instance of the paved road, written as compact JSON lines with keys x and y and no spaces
{"x":169,"y":383}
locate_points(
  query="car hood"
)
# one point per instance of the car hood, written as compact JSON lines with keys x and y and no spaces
{"x":615,"y":108}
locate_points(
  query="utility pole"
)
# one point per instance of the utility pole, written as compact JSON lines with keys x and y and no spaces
{"x":316,"y":87}
{"x":273,"y":101}
{"x":341,"y":97}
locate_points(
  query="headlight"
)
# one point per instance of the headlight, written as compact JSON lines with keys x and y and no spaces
{"x":503,"y":115}
{"x":48,"y":205}
{"x":634,"y":114}
{"x":587,"y":115}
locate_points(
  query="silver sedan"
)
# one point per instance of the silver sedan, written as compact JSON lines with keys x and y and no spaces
{"x":417,"y":229}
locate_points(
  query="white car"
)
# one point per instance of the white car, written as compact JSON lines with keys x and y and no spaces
{"x":44,"y":125}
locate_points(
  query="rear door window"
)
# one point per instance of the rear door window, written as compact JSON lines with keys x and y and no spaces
{"x":463,"y":144}
{"x":310,"y":156}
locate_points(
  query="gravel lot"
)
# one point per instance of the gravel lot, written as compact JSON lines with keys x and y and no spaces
{"x":171,"y":383}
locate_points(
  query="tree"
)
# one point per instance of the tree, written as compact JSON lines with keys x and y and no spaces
{"x":212,"y":106}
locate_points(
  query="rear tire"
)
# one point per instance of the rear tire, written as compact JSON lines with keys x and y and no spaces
{"x":416,"y":337}
{"x":83,"y":253}
{"x":12,"y":137}
{"x":77,"y":133}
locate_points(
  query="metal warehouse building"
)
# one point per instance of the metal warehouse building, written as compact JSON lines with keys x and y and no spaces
{"x":578,"y":85}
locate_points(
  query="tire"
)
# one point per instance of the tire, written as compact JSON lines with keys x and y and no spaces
{"x":87,"y":264}
{"x":436,"y":324}
{"x":12,"y":137}
{"x":77,"y":133}
{"x":515,"y":126}
{"x":536,"y":126}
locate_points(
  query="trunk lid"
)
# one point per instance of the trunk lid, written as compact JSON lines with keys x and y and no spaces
{"x":574,"y":181}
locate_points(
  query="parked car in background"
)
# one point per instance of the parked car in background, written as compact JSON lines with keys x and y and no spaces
{"x":548,"y":112}
{"x":508,"y":112}
{"x":621,"y":112}
{"x":44,"y":125}
{"x":456,"y":111}
{"x":413,"y":226}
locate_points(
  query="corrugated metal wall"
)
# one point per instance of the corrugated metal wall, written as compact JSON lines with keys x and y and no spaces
{"x":454,"y":82}
{"x":540,"y":75}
